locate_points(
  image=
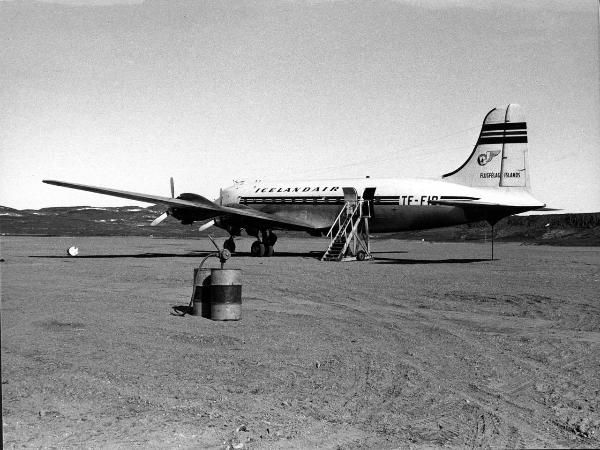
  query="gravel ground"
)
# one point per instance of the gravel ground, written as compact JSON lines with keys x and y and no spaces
{"x":428,"y":345}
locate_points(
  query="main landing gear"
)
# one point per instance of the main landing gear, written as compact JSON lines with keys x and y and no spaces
{"x":265,"y":244}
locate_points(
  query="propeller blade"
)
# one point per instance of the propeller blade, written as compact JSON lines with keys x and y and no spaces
{"x":172,"y":188}
{"x":207,"y":225}
{"x":159,"y":219}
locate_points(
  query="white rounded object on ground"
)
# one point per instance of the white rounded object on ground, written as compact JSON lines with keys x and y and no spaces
{"x":73,"y":251}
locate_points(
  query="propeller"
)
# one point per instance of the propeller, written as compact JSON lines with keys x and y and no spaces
{"x":159,"y":219}
{"x":207,"y":225}
{"x":164,"y":215}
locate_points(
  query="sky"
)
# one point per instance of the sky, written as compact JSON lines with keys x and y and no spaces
{"x":126,"y":94}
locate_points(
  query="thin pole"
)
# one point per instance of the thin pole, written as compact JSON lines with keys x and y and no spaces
{"x":367,"y":235}
{"x":492,"y":242}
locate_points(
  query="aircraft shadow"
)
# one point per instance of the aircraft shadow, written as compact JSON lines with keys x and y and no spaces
{"x":310,"y":254}
{"x":389,"y":253}
{"x":196,"y":254}
{"x":136,"y":255}
{"x":429,"y":261}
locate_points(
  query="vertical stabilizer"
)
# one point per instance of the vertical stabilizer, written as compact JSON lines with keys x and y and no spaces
{"x":499,"y":158}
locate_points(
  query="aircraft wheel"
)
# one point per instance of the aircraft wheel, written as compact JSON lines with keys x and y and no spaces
{"x":229,"y":244}
{"x":270,"y":250}
{"x":257,"y":249}
{"x":360,"y":255}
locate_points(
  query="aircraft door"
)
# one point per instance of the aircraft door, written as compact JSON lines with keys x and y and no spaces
{"x":350,"y":194}
{"x":369,"y":196}
{"x":350,"y":198}
{"x":369,"y":193}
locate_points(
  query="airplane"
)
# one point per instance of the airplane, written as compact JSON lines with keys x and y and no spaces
{"x":491,"y":184}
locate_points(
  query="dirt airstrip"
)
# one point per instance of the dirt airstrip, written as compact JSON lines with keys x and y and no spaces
{"x":429,"y":345}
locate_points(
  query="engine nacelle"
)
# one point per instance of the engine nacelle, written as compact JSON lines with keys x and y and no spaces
{"x":187,"y":216}
{"x":232,"y":229}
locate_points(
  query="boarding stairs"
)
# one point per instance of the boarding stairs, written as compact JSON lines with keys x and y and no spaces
{"x":349,"y":234}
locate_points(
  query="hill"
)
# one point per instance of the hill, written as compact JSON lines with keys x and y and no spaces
{"x":93,"y":221}
{"x":552,"y":229}
{"x":549,"y":229}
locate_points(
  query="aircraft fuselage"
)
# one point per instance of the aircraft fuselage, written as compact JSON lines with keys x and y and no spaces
{"x":398,"y":205}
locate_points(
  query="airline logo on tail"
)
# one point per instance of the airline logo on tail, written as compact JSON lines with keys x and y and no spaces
{"x":485,"y":158}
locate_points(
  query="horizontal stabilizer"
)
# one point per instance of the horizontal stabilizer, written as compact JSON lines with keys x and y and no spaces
{"x":492,"y":212}
{"x":479,"y":203}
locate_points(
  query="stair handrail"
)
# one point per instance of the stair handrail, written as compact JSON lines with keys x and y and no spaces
{"x":360,"y":241}
{"x":357,"y":206}
{"x":355,"y":212}
{"x":353,"y":222}
{"x":351,"y":225}
{"x":337,"y":220}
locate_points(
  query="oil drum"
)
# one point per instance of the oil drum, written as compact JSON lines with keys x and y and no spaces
{"x":225,"y":294}
{"x":201,"y":295}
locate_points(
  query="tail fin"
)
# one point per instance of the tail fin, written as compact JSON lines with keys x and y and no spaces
{"x":499,"y":158}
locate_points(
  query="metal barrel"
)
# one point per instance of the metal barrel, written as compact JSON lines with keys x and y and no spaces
{"x":201,"y":295}
{"x":225,"y":294}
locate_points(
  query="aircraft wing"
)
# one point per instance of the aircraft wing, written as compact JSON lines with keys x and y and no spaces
{"x":199,"y":203}
{"x":175,"y":202}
